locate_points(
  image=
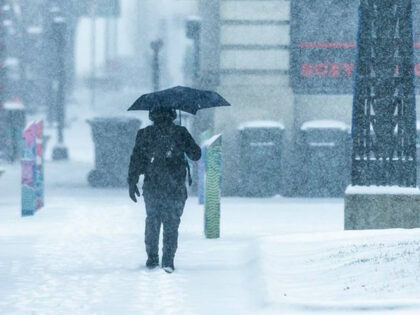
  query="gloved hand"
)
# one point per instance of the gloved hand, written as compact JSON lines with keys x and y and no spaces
{"x":133,"y":191}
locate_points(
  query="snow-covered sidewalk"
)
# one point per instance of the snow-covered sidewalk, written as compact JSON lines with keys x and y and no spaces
{"x":343,"y":271}
{"x":84,"y":253}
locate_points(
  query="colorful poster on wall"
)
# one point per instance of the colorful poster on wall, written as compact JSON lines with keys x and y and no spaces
{"x":39,"y":178}
{"x":32,"y":168}
{"x":28,"y":163}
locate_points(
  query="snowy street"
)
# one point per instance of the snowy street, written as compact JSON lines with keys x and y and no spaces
{"x":84,"y":254}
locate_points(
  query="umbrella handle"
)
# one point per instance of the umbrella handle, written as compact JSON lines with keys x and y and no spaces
{"x":180,"y":120}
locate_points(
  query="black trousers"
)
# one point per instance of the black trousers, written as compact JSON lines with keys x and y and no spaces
{"x":167,"y":213}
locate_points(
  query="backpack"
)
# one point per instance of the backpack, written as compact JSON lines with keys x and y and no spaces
{"x":167,"y":164}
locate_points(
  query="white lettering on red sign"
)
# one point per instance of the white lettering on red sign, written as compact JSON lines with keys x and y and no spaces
{"x":339,"y":70}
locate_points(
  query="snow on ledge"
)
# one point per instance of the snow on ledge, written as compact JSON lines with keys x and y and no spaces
{"x":261,"y":124}
{"x":210,"y":141}
{"x":317,"y":124}
{"x":382,"y":190}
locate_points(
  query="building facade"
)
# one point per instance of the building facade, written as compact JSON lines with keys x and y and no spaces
{"x":245,"y":56}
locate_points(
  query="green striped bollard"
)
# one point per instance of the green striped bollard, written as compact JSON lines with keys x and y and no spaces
{"x":213,"y":179}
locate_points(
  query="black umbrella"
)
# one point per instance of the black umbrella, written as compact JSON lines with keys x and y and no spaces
{"x":181,"y":98}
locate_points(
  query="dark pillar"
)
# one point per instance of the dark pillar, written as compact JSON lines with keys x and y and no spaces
{"x":59,"y":31}
{"x":156,"y":46}
{"x":3,"y":113}
{"x":203,"y":120}
{"x":3,"y":56}
{"x":384,"y":118}
{"x":384,"y":121}
{"x":193,"y":32}
{"x":49,"y":65}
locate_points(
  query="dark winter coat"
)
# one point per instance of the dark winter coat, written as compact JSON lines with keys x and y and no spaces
{"x":165,"y":180}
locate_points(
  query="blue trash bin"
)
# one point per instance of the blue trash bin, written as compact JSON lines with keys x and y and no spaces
{"x":114,"y":140}
{"x":260,"y":158}
{"x":326,"y":163}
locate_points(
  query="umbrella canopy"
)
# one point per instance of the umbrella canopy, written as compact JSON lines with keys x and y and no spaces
{"x":181,"y":98}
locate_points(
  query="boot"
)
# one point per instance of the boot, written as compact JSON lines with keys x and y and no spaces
{"x":152,"y":261}
{"x":168,"y":264}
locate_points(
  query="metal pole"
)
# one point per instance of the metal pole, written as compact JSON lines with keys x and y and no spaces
{"x":156,"y":45}
{"x":156,"y":71}
{"x":50,"y":65}
{"x":59,"y":31}
{"x":201,"y":122}
{"x":61,"y":77}
{"x":196,"y":75}
{"x":3,"y":114}
{"x":193,"y":31}
{"x":3,"y":56}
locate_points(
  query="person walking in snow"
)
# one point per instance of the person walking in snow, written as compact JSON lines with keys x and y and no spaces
{"x":159,"y":153}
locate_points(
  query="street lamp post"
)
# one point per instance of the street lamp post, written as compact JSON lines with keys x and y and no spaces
{"x":50,"y":68}
{"x":59,"y":30}
{"x":3,"y":56}
{"x":193,"y":26}
{"x":156,"y":46}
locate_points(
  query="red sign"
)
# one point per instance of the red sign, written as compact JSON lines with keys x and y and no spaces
{"x":323,"y":45}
